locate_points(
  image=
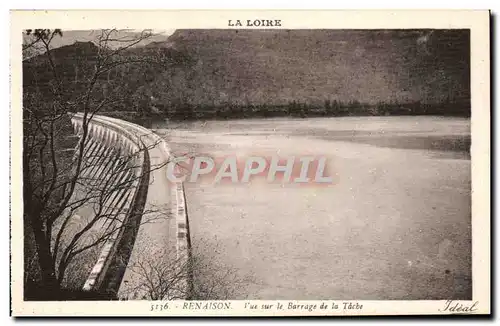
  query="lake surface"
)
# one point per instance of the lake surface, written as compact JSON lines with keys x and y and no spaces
{"x":395,"y":224}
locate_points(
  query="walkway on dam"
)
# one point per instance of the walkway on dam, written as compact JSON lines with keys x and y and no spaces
{"x":157,"y":235}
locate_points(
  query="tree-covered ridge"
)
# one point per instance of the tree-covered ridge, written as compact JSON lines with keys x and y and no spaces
{"x":204,"y":73}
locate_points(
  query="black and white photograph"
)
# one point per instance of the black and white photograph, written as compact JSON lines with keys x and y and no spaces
{"x":317,"y":169}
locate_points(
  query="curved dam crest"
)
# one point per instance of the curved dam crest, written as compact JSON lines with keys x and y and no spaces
{"x":154,"y":216}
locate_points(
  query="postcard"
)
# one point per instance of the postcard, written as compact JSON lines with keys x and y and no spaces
{"x":250,"y":163}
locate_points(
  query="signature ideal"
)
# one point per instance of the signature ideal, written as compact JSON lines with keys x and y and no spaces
{"x":460,"y":307}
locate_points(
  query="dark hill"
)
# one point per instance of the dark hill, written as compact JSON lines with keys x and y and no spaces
{"x":68,"y":74}
{"x":278,"y":66}
{"x":203,"y":69}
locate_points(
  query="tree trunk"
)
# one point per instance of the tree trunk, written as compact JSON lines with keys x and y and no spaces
{"x":45,"y":260}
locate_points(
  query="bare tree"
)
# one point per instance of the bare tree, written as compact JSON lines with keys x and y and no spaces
{"x":194,"y":275}
{"x":62,"y":173}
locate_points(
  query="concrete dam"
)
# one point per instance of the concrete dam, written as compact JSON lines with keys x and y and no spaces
{"x":143,"y":212}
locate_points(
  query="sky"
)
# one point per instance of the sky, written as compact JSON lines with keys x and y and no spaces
{"x":70,"y":37}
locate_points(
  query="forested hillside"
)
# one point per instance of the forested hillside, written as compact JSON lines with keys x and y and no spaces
{"x":237,"y":73}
